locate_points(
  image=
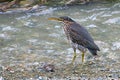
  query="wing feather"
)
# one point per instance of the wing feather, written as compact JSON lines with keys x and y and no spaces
{"x":80,"y":35}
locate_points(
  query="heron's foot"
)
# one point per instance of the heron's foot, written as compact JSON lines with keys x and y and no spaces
{"x":83,"y":56}
{"x":74,"y":57}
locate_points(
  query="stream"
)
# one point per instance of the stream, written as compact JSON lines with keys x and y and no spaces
{"x":30,"y":39}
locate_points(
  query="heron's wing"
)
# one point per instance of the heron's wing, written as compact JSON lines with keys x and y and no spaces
{"x":80,"y":35}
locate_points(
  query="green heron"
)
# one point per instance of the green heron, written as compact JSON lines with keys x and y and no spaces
{"x":78,"y":36}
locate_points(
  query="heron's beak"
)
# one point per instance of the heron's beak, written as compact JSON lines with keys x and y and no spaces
{"x":57,"y":19}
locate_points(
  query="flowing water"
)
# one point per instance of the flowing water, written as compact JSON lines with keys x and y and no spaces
{"x":30,"y":38}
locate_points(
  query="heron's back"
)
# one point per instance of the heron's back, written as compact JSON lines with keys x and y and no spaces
{"x":80,"y":35}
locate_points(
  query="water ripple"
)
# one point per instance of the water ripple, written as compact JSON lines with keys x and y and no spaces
{"x":54,"y":35}
{"x":9,"y":28}
{"x":94,"y":16}
{"x":113,"y":21}
{"x":32,"y":40}
{"x":95,"y":9}
{"x":91,"y":26}
{"x":115,"y":12}
{"x":116,"y":5}
{"x":4,"y":36}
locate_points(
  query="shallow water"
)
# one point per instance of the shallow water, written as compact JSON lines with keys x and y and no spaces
{"x":29,"y":37}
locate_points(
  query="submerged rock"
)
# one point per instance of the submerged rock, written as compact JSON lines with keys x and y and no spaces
{"x":48,"y":67}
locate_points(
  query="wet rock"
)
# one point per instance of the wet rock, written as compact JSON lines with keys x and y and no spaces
{"x":1,"y":68}
{"x":40,"y":78}
{"x":49,"y":67}
{"x":116,"y":45}
{"x":1,"y":78}
{"x":104,"y":69}
{"x":9,"y":69}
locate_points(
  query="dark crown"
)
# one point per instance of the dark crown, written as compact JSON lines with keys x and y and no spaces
{"x":66,"y":18}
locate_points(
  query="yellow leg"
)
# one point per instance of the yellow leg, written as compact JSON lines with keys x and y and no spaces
{"x":74,"y":56}
{"x":82,"y":56}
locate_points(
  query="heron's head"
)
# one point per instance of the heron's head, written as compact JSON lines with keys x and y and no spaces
{"x":64,"y":19}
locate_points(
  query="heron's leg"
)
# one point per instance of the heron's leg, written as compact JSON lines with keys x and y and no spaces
{"x":74,"y":56}
{"x":83,"y":50}
{"x":83,"y":56}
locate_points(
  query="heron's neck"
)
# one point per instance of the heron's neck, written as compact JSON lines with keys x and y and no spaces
{"x":67,"y":23}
